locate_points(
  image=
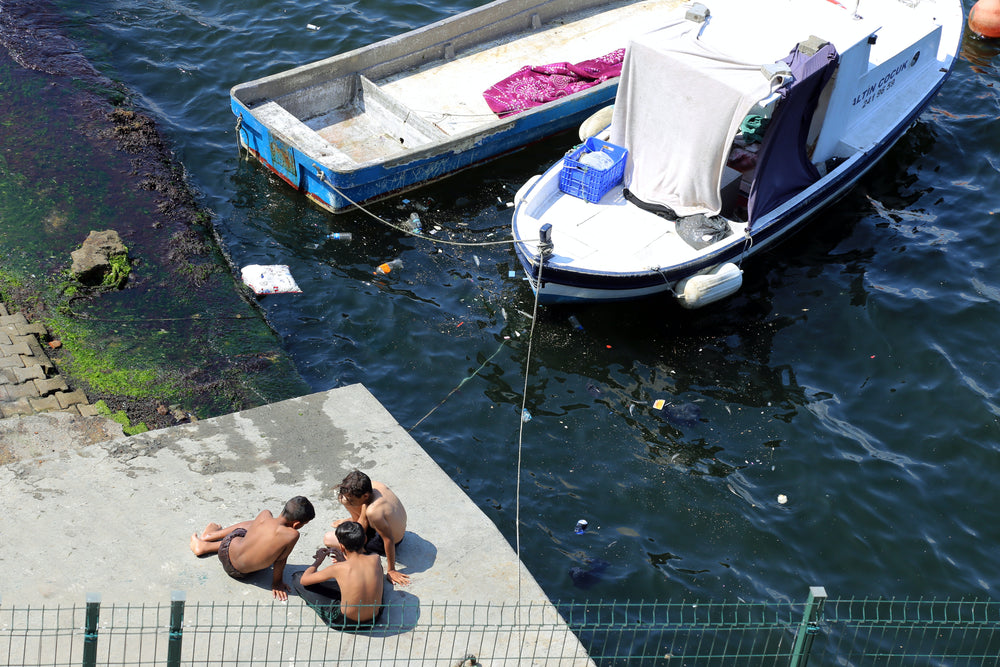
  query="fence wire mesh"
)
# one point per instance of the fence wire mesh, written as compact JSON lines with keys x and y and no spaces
{"x":908,"y":632}
{"x":843,"y":632}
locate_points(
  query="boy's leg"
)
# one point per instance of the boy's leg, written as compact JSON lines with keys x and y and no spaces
{"x":323,"y":598}
{"x":211,"y":538}
{"x":219,"y":532}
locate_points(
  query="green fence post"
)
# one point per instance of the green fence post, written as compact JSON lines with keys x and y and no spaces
{"x":90,"y":630}
{"x":808,"y":626}
{"x":176,"y":628}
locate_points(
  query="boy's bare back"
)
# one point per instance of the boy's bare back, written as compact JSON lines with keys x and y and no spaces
{"x":361,"y":581}
{"x":267,"y":540}
{"x":386,"y":513}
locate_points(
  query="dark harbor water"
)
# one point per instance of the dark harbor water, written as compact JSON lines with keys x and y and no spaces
{"x":856,"y":373}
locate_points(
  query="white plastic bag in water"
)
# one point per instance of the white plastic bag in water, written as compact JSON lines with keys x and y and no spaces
{"x":276,"y":279}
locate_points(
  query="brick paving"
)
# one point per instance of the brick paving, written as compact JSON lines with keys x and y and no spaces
{"x":29,"y":383}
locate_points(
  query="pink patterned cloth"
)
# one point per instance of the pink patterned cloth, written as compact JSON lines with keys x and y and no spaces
{"x":533,"y":86}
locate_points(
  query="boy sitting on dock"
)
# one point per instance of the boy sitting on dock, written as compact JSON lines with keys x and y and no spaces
{"x":250,"y":546}
{"x":381,"y":515}
{"x":347,"y":594}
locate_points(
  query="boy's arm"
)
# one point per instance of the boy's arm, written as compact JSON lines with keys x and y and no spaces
{"x":363,"y":516}
{"x":395,"y":576}
{"x":382,"y":527}
{"x":278,"y":587}
{"x":312,"y":575}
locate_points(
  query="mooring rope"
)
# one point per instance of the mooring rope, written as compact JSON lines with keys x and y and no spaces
{"x":322,"y":177}
{"x":520,"y":431}
{"x":458,"y":386}
{"x":239,"y":144}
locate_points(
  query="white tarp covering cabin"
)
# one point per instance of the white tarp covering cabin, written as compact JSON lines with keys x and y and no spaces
{"x":679,"y":106}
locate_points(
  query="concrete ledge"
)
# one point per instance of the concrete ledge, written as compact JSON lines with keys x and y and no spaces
{"x":115,"y":517}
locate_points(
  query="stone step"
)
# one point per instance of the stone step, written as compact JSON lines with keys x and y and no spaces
{"x":29,"y":382}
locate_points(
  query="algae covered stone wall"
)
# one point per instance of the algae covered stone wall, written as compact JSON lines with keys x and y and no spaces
{"x":76,"y":157}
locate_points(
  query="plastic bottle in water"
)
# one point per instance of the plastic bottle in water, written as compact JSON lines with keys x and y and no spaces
{"x":340,"y":236}
{"x":414,"y":224}
{"x":575,"y":322}
{"x":388,"y":266}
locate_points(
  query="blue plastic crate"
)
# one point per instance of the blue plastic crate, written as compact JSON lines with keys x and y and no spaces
{"x":586,"y":182}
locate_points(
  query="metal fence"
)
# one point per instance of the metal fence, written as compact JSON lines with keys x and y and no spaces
{"x":816,"y":632}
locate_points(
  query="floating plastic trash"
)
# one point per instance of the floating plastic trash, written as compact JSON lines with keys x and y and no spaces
{"x":387,"y":267}
{"x":274,"y":279}
{"x":658,"y":404}
{"x":575,"y":322}
{"x":414,"y":224}
{"x":525,"y":416}
{"x":581,"y":527}
{"x":340,"y":236}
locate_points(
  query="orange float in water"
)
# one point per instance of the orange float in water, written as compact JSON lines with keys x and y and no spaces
{"x":984,"y":19}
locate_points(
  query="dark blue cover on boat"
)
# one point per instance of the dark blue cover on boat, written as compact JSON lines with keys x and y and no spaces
{"x":783,"y":167}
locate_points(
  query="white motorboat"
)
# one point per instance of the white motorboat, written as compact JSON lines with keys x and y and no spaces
{"x":732,"y":125}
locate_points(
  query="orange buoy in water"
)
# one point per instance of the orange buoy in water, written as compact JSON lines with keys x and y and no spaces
{"x":984,"y":19}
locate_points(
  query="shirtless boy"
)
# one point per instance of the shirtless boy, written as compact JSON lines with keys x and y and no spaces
{"x":380,"y":514}
{"x":251,"y":546}
{"x":354,"y":580}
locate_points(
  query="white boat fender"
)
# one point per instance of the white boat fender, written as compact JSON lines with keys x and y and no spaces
{"x":705,"y":288}
{"x":597,"y":122}
{"x":523,"y":190}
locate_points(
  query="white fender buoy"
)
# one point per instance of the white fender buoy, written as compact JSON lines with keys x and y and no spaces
{"x":705,"y":288}
{"x":598,"y":121}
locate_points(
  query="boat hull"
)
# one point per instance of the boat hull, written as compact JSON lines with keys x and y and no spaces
{"x":337,"y":191}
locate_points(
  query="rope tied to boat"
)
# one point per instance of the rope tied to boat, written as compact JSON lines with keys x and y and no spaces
{"x":747,"y":244}
{"x":322,"y":177}
{"x":239,"y":144}
{"x":520,"y":436}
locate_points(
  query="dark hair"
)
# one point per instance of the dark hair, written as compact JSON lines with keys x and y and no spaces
{"x":299,"y":509}
{"x":356,"y":485}
{"x":351,"y":536}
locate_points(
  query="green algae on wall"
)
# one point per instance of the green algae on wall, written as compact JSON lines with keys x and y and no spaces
{"x":182,"y":331}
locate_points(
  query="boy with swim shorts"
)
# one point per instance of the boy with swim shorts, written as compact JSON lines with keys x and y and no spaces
{"x":381,"y":515}
{"x":348,"y":593}
{"x":250,"y":546}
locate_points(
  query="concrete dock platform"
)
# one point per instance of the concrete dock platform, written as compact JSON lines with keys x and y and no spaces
{"x":114,"y":517}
